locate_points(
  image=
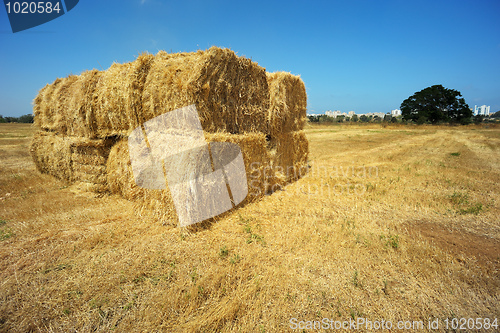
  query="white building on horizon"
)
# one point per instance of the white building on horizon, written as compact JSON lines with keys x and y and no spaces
{"x":483,"y":110}
{"x":333,"y":114}
{"x":395,"y":112}
{"x":379,"y":114}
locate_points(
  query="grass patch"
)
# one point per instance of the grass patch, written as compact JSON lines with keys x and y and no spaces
{"x":391,"y":241}
{"x":223,"y":252}
{"x":475,"y":209}
{"x":5,"y":231}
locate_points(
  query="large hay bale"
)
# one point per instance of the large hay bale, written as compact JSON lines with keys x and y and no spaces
{"x":118,"y":99}
{"x":256,"y":158}
{"x":52,"y":155}
{"x":230,"y":92}
{"x":51,"y":104}
{"x":288,"y":103}
{"x":289,"y":158}
{"x":120,"y":177}
{"x":63,"y":107}
{"x":73,"y":159}
{"x":95,"y":104}
{"x":80,"y":114}
{"x":120,"y":180}
{"x":89,"y":158}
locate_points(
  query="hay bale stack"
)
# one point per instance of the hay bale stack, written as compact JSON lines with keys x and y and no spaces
{"x":85,"y":121}
{"x":288,"y":103}
{"x":288,"y":144}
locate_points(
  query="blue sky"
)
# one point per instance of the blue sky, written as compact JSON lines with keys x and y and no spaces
{"x":366,"y":56}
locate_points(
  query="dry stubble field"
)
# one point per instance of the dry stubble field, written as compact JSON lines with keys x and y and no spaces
{"x":395,"y":223}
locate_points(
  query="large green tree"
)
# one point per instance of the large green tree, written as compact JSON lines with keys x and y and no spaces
{"x":436,"y":104}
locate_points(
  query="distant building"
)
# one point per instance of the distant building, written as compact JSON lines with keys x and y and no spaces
{"x":395,"y":112}
{"x":350,"y":114}
{"x":333,"y":114}
{"x":483,"y":110}
{"x":378,"y":114}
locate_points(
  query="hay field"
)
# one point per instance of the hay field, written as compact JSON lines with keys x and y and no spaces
{"x":395,"y":223}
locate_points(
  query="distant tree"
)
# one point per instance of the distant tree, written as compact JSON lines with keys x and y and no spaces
{"x":495,"y":115}
{"x":394,"y":120}
{"x":421,"y":120}
{"x":364,"y":118}
{"x":326,"y":119}
{"x":27,"y":118}
{"x":478,"y":119}
{"x":2,"y":119}
{"x":340,"y":119}
{"x":435,"y":104}
{"x":354,"y":118}
{"x":376,"y":119}
{"x":387,"y":117}
{"x":313,"y":119}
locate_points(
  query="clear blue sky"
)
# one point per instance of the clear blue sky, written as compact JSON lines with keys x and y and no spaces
{"x":366,"y":56}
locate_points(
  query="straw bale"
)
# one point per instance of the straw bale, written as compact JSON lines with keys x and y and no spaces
{"x":290,"y":157}
{"x":117,"y":102}
{"x":52,"y":154}
{"x":230,"y":92}
{"x":94,"y":104}
{"x":256,"y":158}
{"x":288,"y":103}
{"x":88,"y":159}
{"x":51,"y":104}
{"x":80,"y":109}
{"x":120,"y":178}
{"x":119,"y":173}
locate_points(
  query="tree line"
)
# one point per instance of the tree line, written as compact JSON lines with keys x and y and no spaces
{"x":354,"y":119}
{"x":432,"y":105}
{"x":27,"y":118}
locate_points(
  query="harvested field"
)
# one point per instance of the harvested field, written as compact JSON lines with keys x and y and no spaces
{"x":397,"y":223}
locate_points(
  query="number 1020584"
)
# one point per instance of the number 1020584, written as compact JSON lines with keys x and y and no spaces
{"x":33,"y":7}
